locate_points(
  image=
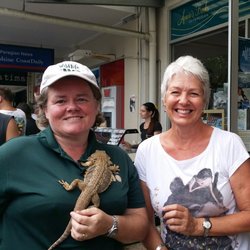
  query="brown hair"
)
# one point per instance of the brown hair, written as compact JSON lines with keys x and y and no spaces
{"x":150,"y":107}
{"x":7,"y":94}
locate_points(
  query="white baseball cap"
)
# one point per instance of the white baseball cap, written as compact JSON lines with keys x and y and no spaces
{"x":67,"y":68}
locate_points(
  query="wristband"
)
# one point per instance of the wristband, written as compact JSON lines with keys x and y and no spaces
{"x":159,"y":247}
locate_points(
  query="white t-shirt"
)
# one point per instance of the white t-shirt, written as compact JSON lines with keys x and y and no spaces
{"x":200,"y":184}
{"x":20,"y":118}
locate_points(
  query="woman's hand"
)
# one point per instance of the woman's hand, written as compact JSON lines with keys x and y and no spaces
{"x":92,"y":222}
{"x":179,"y":219}
{"x":89,"y":223}
{"x":126,"y":145}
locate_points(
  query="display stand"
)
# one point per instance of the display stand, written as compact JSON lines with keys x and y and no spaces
{"x":112,"y":136}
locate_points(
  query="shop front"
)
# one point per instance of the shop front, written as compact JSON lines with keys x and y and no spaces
{"x":208,"y":30}
{"x":21,"y":69}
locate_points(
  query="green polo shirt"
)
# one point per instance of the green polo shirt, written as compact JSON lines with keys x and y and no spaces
{"x":34,"y":208}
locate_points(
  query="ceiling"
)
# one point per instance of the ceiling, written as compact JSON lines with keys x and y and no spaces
{"x":65,"y":25}
{"x":20,"y":24}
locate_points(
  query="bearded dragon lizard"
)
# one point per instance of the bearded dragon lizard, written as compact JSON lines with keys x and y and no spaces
{"x":97,"y":178}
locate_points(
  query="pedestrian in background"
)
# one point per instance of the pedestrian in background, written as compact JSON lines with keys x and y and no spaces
{"x":31,"y":126}
{"x":150,"y":126}
{"x":8,"y":128}
{"x":7,"y":108}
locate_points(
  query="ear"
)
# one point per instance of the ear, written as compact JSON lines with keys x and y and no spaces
{"x":98,"y":107}
{"x":164,"y":103}
{"x":45,"y":112}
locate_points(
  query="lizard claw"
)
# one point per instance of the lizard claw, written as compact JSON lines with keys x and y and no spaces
{"x":64,"y":184}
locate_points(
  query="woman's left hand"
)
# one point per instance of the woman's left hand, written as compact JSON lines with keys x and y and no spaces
{"x":89,"y":223}
{"x":179,"y":219}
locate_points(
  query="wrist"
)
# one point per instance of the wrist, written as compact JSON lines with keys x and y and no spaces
{"x":112,"y":232}
{"x":207,"y":225}
{"x":198,"y":229}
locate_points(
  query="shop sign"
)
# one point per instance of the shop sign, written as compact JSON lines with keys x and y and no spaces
{"x":196,"y":16}
{"x":13,"y":78}
{"x":25,"y":58}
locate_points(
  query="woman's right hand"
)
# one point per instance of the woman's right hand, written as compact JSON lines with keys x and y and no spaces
{"x":179,"y":219}
{"x":89,"y":223}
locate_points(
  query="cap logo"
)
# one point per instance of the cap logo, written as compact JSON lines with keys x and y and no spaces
{"x":69,"y":67}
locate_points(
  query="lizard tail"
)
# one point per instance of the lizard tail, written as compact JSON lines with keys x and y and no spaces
{"x":63,"y":237}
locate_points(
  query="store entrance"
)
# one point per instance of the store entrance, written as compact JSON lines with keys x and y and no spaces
{"x":212,"y":49}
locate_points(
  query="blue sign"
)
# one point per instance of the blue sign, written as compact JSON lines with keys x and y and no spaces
{"x":196,"y":16}
{"x":25,"y":58}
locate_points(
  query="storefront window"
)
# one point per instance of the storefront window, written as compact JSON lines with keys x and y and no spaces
{"x":200,"y":28}
{"x":244,"y":84}
{"x":212,"y":50}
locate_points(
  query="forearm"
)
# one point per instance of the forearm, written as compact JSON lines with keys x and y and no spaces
{"x":132,"y":226}
{"x":153,"y":238}
{"x":225,"y":225}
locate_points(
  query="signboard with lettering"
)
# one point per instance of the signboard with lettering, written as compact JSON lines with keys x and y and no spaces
{"x":195,"y":16}
{"x":13,"y":78}
{"x":25,"y":58}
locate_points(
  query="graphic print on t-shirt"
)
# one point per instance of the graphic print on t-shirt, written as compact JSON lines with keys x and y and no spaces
{"x":203,"y":199}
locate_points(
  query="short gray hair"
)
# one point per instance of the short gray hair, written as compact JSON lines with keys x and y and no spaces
{"x":188,"y":65}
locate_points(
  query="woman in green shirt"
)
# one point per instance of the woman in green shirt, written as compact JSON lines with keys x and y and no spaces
{"x":34,"y":208}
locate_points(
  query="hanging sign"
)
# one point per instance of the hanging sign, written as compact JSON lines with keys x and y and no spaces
{"x":25,"y":58}
{"x":195,"y":16}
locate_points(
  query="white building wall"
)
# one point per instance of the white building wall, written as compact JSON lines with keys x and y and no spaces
{"x":164,"y":48}
{"x":134,"y":53}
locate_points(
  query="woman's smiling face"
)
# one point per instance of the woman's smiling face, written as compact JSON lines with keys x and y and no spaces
{"x":184,"y":99}
{"x":71,"y":107}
